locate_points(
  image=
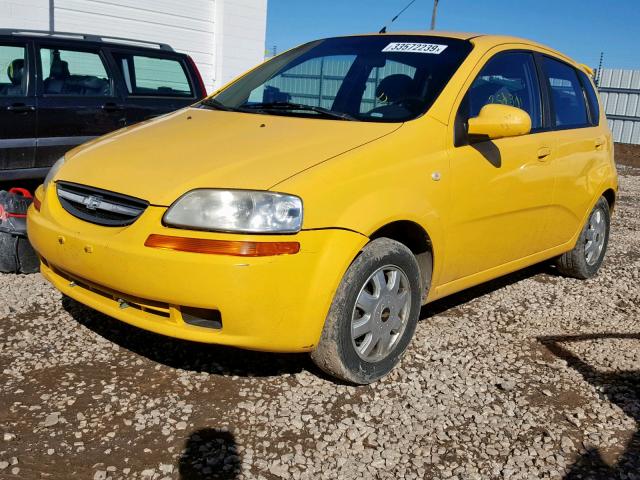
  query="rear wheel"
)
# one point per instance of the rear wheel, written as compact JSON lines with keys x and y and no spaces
{"x":586,"y":257}
{"x":373,"y":315}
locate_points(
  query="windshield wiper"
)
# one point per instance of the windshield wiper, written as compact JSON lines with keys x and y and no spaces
{"x":296,"y":106}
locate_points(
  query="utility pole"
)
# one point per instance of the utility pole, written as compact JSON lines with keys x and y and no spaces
{"x":434,"y":14}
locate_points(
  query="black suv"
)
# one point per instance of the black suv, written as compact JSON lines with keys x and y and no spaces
{"x":58,"y":90}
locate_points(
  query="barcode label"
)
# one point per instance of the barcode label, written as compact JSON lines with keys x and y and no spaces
{"x":432,"y":48}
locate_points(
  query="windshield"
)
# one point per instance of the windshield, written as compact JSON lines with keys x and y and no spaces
{"x":383,"y":78}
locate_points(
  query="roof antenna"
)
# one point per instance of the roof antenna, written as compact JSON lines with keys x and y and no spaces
{"x":384,"y":29}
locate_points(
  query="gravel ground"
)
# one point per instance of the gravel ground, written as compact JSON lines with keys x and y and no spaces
{"x":529,"y":376}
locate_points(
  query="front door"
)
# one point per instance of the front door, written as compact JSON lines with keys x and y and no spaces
{"x":17,"y":111}
{"x":76,"y":100}
{"x":501,"y":189}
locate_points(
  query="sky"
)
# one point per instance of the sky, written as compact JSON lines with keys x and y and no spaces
{"x":579,"y":28}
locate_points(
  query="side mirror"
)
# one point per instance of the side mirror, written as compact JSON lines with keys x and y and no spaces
{"x":498,"y":121}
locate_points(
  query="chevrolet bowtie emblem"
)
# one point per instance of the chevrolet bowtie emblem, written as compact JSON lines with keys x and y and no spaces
{"x":92,"y":202}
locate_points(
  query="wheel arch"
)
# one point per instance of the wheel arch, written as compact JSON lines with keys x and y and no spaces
{"x":610,"y":197}
{"x":416,"y":239}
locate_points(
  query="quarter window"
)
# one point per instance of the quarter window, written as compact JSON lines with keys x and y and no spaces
{"x":507,"y":79}
{"x":13,"y":71}
{"x":594,"y":107}
{"x":70,"y":72}
{"x":567,"y":96}
{"x":150,"y":76}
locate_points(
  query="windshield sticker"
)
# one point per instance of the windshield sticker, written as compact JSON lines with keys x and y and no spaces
{"x":432,"y":48}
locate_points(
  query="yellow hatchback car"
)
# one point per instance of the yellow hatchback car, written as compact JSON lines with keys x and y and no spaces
{"x":315,"y":203}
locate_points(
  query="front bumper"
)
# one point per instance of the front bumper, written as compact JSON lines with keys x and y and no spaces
{"x":276,"y":303}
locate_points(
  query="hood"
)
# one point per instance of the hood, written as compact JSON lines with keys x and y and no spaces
{"x":196,"y":148}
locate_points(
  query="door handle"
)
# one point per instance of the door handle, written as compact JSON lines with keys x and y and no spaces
{"x":543,"y":153}
{"x":112,"y":107}
{"x":599,"y":143}
{"x":21,"y":108}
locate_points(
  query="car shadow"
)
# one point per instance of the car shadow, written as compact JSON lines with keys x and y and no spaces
{"x":621,"y":388}
{"x":210,"y":453}
{"x":186,"y":355}
{"x":457,"y":299}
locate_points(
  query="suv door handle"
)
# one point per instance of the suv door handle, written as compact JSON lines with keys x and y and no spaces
{"x":543,"y":153}
{"x":599,"y":143}
{"x":112,"y":107}
{"x":21,"y":108}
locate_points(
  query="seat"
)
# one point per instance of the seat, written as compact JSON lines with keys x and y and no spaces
{"x":15,"y":72}
{"x":58,"y":75}
{"x":391,"y":91}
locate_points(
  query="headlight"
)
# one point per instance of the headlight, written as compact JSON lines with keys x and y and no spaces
{"x":52,"y":173}
{"x":236,"y":211}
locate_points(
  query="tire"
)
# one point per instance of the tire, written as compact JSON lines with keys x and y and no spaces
{"x":8,"y":258}
{"x":392,"y":302}
{"x":586,"y":257}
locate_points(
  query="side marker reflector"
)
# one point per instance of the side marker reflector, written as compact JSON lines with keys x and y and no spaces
{"x":222,"y":247}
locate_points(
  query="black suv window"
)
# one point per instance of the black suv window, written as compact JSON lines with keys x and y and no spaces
{"x":594,"y":107}
{"x":13,"y":71}
{"x":71,"y":72}
{"x":508,"y":79}
{"x":152,"y":76}
{"x":566,"y":94}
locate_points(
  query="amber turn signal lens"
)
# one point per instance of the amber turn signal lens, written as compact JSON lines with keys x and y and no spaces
{"x":36,"y":203}
{"x":222,"y":247}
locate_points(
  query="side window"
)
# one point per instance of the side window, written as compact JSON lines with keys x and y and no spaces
{"x":566,"y":94}
{"x":13,"y":71}
{"x":592,"y":98}
{"x":77,"y":73}
{"x":150,"y":76}
{"x":507,"y":79}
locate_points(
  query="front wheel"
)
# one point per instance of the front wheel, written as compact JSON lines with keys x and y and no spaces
{"x":373,"y":315}
{"x":586,"y":257}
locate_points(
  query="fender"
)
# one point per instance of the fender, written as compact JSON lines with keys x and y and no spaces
{"x":347,"y":201}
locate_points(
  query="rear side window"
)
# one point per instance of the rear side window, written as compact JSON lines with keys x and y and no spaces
{"x":73,"y":72}
{"x":592,"y":99}
{"x":13,"y":71}
{"x":508,"y":79}
{"x":567,"y":96}
{"x":152,"y":76}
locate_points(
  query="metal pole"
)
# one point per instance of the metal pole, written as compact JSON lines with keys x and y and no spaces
{"x":52,"y":9}
{"x":434,"y":14}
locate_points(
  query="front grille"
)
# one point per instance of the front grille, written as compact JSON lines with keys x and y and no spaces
{"x":99,"y":206}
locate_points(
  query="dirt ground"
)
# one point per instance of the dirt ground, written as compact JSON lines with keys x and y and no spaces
{"x":529,"y":376}
{"x":627,"y":154}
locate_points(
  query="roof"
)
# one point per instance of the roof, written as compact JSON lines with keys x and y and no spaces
{"x":482,"y":38}
{"x":120,"y":41}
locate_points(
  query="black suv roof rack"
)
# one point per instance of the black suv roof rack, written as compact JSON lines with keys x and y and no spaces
{"x":82,"y":36}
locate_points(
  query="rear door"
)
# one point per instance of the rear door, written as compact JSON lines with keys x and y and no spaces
{"x":155,"y":83}
{"x":581,"y":146}
{"x":17,"y":109}
{"x":77,"y":99}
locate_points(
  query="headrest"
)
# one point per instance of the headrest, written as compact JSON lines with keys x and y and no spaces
{"x":59,"y":68}
{"x":394,"y":87}
{"x":15,"y":71}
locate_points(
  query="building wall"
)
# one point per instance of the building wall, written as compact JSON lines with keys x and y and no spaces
{"x":240,"y":37}
{"x":224,"y":37}
{"x":620,"y":95}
